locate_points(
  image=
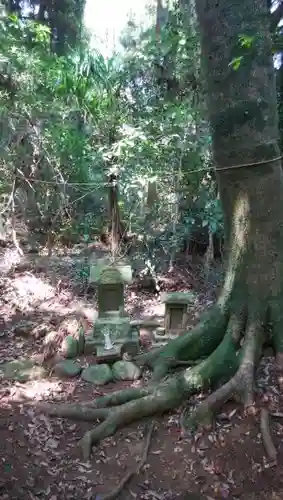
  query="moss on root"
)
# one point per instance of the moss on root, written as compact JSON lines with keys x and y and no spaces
{"x":223,"y":348}
{"x":231,"y":358}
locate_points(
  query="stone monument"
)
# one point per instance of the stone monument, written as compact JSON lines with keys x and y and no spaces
{"x":112,"y":331}
{"x":176,"y":305}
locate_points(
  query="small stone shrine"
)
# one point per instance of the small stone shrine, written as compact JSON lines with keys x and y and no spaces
{"x":176,"y":305}
{"x":112,"y":332}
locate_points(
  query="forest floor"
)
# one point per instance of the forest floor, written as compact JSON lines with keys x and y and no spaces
{"x":39,"y":457}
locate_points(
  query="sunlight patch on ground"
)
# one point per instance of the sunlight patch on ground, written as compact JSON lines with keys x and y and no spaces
{"x":8,"y":259}
{"x":33,"y":390}
{"x":30,"y":288}
{"x":154,"y":309}
{"x":150,"y":306}
{"x":81,"y":308}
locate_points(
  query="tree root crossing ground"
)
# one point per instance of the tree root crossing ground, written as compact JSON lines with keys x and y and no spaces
{"x":226,"y":345}
{"x":208,"y":357}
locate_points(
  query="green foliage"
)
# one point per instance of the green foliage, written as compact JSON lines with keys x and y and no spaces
{"x":244,"y":48}
{"x":69,"y":121}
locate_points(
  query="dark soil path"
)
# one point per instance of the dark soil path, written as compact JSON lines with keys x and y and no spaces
{"x":40,"y":457}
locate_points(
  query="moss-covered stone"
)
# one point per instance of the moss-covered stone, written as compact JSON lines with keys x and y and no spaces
{"x":22,"y":370}
{"x":70,"y":347}
{"x":126,"y":370}
{"x":97,"y":374}
{"x":67,"y":368}
{"x":118,"y":326}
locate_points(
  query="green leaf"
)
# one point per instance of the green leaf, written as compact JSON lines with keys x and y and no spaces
{"x":246,"y":41}
{"x":236,"y":62}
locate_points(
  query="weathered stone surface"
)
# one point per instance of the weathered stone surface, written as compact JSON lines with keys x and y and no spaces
{"x":105,"y":272}
{"x":110,"y":296}
{"x":176,"y":316}
{"x":160,"y":331}
{"x":90,"y":346}
{"x":177,"y":297}
{"x":126,"y":370}
{"x":67,"y":368}
{"x":145,"y":323}
{"x":117,"y":326}
{"x":120,"y":333}
{"x":97,"y":374}
{"x":80,"y":337}
{"x":107,"y":356}
{"x":110,"y":279}
{"x":22,"y":370}
{"x":112,"y":328}
{"x":70,"y":347}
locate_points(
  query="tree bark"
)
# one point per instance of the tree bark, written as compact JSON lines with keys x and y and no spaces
{"x":227,"y":343}
{"x":243,"y":115}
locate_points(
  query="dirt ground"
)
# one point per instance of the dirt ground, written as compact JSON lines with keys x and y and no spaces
{"x":40,"y":457}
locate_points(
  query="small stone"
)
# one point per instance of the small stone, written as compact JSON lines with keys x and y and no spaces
{"x":160,"y":331}
{"x":97,"y":374}
{"x":126,"y":370}
{"x":70,"y":347}
{"x":67,"y":368}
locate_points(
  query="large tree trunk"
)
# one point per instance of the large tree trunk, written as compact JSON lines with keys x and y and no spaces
{"x":243,"y":115}
{"x":225,"y":346}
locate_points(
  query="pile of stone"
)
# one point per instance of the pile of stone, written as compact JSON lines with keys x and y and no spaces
{"x":112,"y":334}
{"x":98,"y":374}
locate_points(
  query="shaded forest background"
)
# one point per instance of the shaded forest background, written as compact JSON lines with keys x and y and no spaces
{"x":116,"y":148}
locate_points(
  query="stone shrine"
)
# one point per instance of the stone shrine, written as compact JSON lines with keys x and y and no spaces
{"x":176,"y":305}
{"x":112,"y":331}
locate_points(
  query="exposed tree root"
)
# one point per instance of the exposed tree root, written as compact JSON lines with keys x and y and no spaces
{"x":128,"y":476}
{"x":162,"y":399}
{"x":120,"y":408}
{"x":198,"y":343}
{"x":231,"y":345}
{"x":266,"y":436}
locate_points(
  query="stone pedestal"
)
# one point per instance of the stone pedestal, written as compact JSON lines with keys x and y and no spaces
{"x":119,"y":332}
{"x":176,"y":305}
{"x":112,"y":332}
